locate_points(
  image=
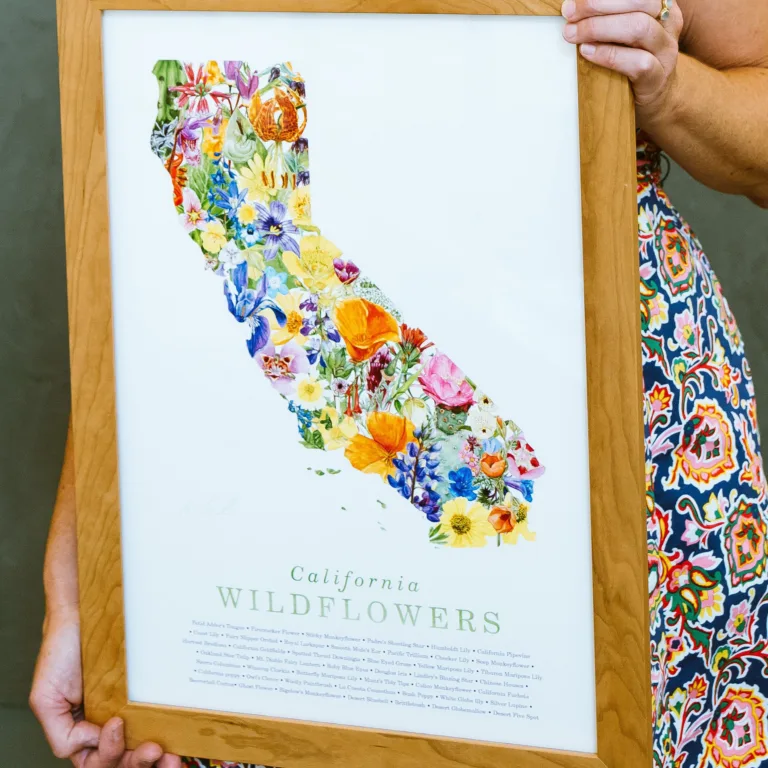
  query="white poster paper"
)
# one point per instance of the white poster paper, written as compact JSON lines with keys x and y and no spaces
{"x":263,"y":577}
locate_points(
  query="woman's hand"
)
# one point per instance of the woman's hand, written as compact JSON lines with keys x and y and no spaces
{"x":629,"y":37}
{"x":57,"y":699}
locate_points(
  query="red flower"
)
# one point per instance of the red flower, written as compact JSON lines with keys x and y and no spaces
{"x":414,"y":337}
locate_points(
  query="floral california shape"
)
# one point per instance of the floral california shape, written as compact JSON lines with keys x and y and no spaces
{"x":357,"y":378}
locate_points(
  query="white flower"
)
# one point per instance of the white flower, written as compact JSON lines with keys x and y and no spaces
{"x":230,"y":255}
{"x":415,"y":410}
{"x":481,"y":422}
{"x":484,"y":402}
{"x":311,"y":393}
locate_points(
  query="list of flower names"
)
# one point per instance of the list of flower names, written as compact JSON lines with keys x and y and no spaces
{"x":363,"y":670}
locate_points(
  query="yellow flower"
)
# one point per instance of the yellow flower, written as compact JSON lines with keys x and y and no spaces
{"x":465,"y":523}
{"x":519,"y":509}
{"x":311,"y":393}
{"x":214,"y":73}
{"x":215,"y":236}
{"x":255,"y":178}
{"x":246,"y":214}
{"x":214,"y":143}
{"x":315,"y":267}
{"x":336,"y":430}
{"x":711,"y":601}
{"x":294,"y":319}
{"x":521,"y":529}
{"x":300,"y":207}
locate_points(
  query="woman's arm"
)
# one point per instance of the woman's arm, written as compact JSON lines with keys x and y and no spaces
{"x":60,"y":568}
{"x":708,"y":107}
{"x":57,"y":688}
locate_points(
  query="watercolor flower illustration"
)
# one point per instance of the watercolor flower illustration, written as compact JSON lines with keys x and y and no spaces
{"x":356,"y":377}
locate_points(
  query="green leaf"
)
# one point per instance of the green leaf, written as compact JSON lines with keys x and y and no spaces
{"x":316,"y":440}
{"x":333,"y":471}
{"x":319,"y":472}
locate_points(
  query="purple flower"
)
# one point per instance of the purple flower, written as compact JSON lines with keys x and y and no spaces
{"x":276,"y":229}
{"x":189,"y":138}
{"x":247,"y":87}
{"x":346,"y":271}
{"x":248,"y":305}
{"x":309,"y":304}
{"x":232,"y":69}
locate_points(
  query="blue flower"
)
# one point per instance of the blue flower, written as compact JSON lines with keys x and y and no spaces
{"x":523,"y":486}
{"x":275,"y":226}
{"x":275,"y":282}
{"x":461,"y":483}
{"x":247,"y":304}
{"x":229,"y":200}
{"x":494,"y":445}
{"x":248,"y":233}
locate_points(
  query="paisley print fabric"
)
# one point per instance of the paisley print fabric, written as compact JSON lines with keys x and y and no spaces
{"x":707,"y":504}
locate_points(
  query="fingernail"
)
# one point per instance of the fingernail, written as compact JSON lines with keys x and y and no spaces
{"x":568,"y":8}
{"x":587,"y":49}
{"x":117,"y":733}
{"x":570,"y":31}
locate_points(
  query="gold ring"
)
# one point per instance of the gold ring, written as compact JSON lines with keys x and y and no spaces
{"x":665,"y":10}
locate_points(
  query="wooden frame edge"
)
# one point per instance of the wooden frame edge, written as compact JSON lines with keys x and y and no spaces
{"x":621,"y":637}
{"x":617,"y":465}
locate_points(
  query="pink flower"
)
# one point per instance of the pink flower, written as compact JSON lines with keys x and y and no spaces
{"x":282,"y":367}
{"x":686,"y":330}
{"x":346,"y":271}
{"x":445,"y":383}
{"x":523,"y":464}
{"x":196,"y":92}
{"x":193,"y":217}
{"x":739,"y":619}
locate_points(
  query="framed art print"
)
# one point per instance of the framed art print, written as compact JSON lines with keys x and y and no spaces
{"x":356,"y":383}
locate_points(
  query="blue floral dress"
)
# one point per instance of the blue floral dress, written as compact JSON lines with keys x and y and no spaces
{"x":707,"y":504}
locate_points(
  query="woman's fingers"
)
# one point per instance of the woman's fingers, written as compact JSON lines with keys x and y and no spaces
{"x":144,"y":756}
{"x":169,"y":761}
{"x":636,"y":30}
{"x":65,"y":736}
{"x":638,"y":65}
{"x":111,"y":747}
{"x":576,"y":10}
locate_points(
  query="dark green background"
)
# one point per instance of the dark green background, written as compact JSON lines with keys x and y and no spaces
{"x":34,"y":391}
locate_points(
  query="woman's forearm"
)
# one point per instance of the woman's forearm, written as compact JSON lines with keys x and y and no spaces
{"x":715,"y":125}
{"x":60,"y":571}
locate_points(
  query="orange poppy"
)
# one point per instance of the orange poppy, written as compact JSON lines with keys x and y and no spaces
{"x":389,"y":436}
{"x":365,"y":327}
{"x":501,"y":519}
{"x":493,"y":464}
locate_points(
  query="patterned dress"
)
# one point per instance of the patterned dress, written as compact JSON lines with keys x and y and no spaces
{"x":707,"y":504}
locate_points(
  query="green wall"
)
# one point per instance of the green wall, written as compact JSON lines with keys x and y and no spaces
{"x":34,"y":392}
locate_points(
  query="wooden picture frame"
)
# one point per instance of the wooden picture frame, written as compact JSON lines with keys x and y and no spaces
{"x":615,"y":431}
